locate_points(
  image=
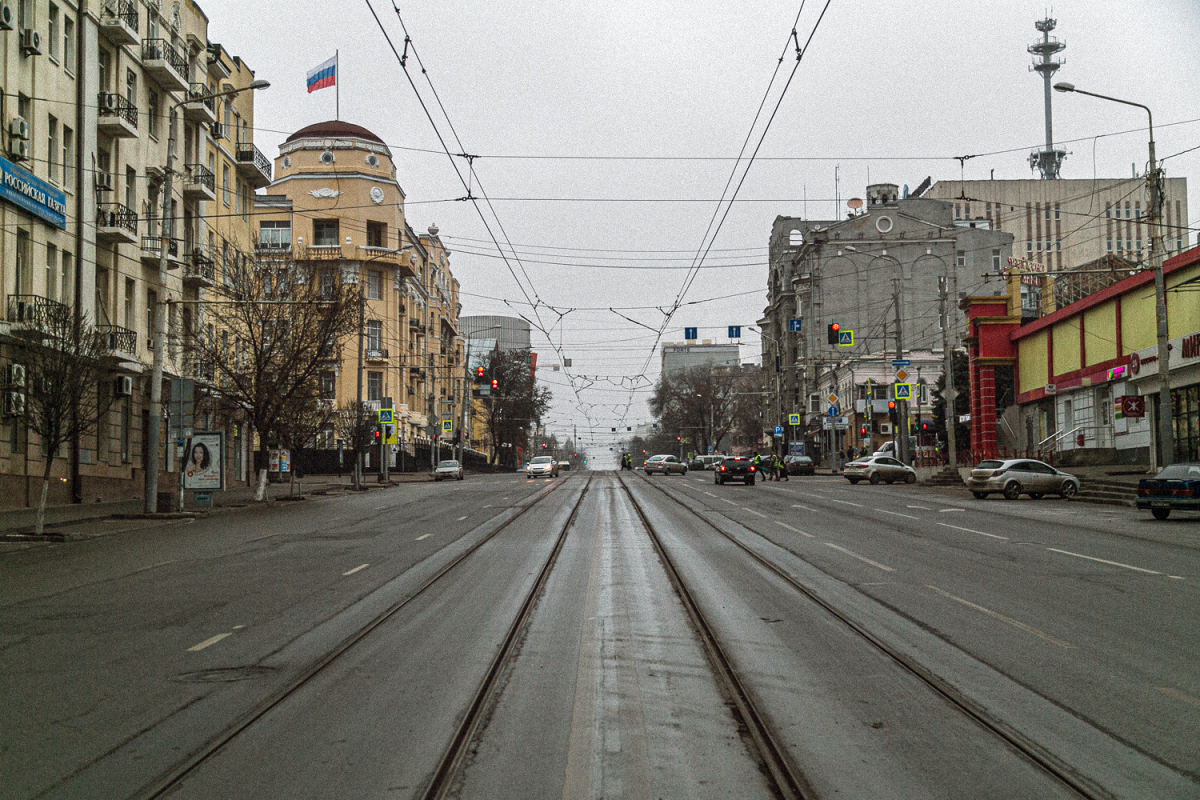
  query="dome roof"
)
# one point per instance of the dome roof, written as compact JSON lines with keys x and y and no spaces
{"x":333,"y":129}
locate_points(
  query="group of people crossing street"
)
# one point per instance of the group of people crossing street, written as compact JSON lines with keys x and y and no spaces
{"x":770,"y":465}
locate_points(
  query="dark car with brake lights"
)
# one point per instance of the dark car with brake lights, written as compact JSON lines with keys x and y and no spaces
{"x":735,"y":468}
{"x":1175,"y":488}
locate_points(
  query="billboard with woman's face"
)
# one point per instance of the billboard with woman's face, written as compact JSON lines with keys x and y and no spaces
{"x":202,"y":462}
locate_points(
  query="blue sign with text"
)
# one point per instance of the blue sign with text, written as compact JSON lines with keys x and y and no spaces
{"x":39,"y":198}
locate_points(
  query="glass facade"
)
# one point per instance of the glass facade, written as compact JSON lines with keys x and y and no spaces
{"x":1185,"y":415}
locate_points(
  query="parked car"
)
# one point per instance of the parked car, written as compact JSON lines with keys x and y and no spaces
{"x":542,"y":467}
{"x":1017,"y":476}
{"x":1175,"y":488}
{"x":799,"y":465}
{"x":696,"y":463}
{"x":664,"y":464}
{"x":448,"y":470}
{"x":735,"y":468}
{"x":564,"y":465}
{"x":879,"y":468}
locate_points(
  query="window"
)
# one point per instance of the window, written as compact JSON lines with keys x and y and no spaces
{"x":52,"y":31}
{"x":374,"y":387}
{"x":1029,"y":245}
{"x":1058,"y":245}
{"x":51,"y":271}
{"x":68,"y":159}
{"x":1139,"y":244}
{"x":1128,"y":243}
{"x":68,"y":44}
{"x":374,"y":284}
{"x":130,"y":304}
{"x":237,"y":197}
{"x":960,"y":258}
{"x":326,"y":283}
{"x":225,"y":184}
{"x":245,"y":200}
{"x":1108,"y":210}
{"x":105,"y":69}
{"x":1127,"y":216}
{"x":1039,"y":245}
{"x":376,"y":234}
{"x":131,"y":87}
{"x":65,"y":290}
{"x":1047,"y":211}
{"x":325,"y":232}
{"x":1057,"y":211}
{"x":328,"y":385}
{"x":130,"y":188}
{"x":995,"y":260}
{"x":275,"y":234}
{"x":52,"y":148}
{"x":24,"y":276}
{"x":1137,"y":210}
{"x":152,"y":113}
{"x":1108,"y":244}
{"x":374,"y":334}
{"x":957,"y":211}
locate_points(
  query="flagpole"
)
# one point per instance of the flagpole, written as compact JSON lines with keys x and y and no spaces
{"x":337,"y":86}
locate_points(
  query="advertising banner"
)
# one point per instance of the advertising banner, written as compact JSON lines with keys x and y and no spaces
{"x":202,"y":460}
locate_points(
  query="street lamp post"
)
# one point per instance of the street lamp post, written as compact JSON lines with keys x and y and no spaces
{"x":154,"y":435}
{"x":1166,"y":436}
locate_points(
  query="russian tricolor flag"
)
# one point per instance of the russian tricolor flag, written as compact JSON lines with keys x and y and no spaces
{"x":323,"y":76}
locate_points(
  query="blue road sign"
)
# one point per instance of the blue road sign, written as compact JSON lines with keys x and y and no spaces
{"x":794,"y":325}
{"x":385,"y":416}
{"x":845,"y":338}
{"x":903,"y":391}
{"x":735,"y":331}
{"x":690,"y":333}
{"x":779,"y":430}
{"x":793,"y":419}
{"x":901,"y":362}
{"x":833,"y":411}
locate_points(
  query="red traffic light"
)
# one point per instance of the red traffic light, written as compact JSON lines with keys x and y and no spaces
{"x":679,"y":438}
{"x":834,"y":326}
{"x":479,"y":373}
{"x":495,"y":384}
{"x":891,"y":405}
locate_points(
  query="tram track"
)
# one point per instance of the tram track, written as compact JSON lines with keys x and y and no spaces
{"x":1034,"y":753}
{"x":174,"y":777}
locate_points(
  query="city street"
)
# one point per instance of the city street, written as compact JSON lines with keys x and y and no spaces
{"x":833,"y":641}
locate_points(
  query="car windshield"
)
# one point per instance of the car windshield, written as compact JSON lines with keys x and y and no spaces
{"x":447,"y":464}
{"x":1180,"y":472}
{"x":989,"y":465}
{"x":542,"y":460}
{"x":658,"y":458}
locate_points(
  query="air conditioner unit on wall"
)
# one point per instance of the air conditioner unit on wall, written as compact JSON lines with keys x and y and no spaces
{"x":104,"y":182}
{"x":18,"y":128}
{"x":6,"y":17}
{"x":19,"y":150}
{"x":31,"y":42}
{"x":14,"y":375}
{"x":123,"y":386}
{"x":885,"y":428}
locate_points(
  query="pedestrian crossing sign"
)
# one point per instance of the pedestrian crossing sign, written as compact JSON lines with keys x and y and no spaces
{"x":793,"y":419}
{"x":447,"y":426}
{"x":845,"y":339}
{"x":385,"y":416}
{"x":903,"y":391}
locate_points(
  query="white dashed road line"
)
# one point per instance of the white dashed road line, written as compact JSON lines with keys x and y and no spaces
{"x":969,"y":530}
{"x":731,"y":502}
{"x":895,"y":513}
{"x":460,"y":519}
{"x":426,"y":536}
{"x":806,"y":508}
{"x":794,"y":530}
{"x":356,"y":569}
{"x":923,"y":508}
{"x":710,"y":494}
{"x":1002,"y":618}
{"x":845,"y":502}
{"x":752,"y":511}
{"x":1103,"y":561}
{"x":860,"y":558}
{"x":209,"y":641}
{"x":947,"y":510}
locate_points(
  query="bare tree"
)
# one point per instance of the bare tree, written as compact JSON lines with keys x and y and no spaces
{"x":704,"y":403}
{"x":61,"y":398}
{"x":267,"y":334}
{"x":356,"y":426}
{"x":301,"y":421}
{"x":519,"y":403}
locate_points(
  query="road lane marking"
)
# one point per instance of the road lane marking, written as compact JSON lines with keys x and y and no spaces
{"x":727,"y":500}
{"x":947,"y":510}
{"x":845,"y":502}
{"x":238,"y":627}
{"x":806,"y":508}
{"x":1103,"y":561}
{"x":1002,"y":618}
{"x":460,"y":519}
{"x":356,"y":569}
{"x":860,"y":558}
{"x":923,"y":508}
{"x":710,"y":494}
{"x":210,"y":641}
{"x":794,"y":530}
{"x":895,"y":513}
{"x":1178,"y":695}
{"x":969,"y":530}
{"x":426,"y":536}
{"x":752,"y":511}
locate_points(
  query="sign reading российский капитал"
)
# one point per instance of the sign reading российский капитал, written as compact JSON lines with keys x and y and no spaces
{"x":19,"y":187}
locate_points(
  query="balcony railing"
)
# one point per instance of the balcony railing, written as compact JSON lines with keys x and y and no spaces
{"x":115,"y":215}
{"x":115,"y":105}
{"x":33,"y":311}
{"x":200,"y":90}
{"x":153,"y":244}
{"x":200,"y":174}
{"x":319,"y":252}
{"x":124,"y":10}
{"x":114,"y":338}
{"x":199,"y":266}
{"x":252,"y":159}
{"x":163,"y":50}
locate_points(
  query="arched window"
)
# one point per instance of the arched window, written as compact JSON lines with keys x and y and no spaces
{"x":795,"y":238}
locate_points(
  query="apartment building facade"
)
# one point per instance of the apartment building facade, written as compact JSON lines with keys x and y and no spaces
{"x":337,"y":208}
{"x":94,"y":94}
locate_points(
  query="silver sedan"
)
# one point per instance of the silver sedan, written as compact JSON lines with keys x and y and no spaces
{"x":1017,"y":476}
{"x":879,"y":468}
{"x":448,"y":470}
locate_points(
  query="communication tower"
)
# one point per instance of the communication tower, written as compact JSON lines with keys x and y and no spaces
{"x":1049,"y":160}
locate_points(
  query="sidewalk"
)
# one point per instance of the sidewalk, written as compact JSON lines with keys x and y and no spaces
{"x":74,"y":519}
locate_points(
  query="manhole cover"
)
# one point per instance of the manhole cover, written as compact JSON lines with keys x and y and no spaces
{"x":224,"y":675}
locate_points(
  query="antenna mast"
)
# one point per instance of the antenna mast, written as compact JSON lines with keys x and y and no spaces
{"x":1049,"y":160}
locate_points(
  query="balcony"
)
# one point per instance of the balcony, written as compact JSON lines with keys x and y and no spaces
{"x":199,"y":183}
{"x":32,"y":314}
{"x":116,"y":224}
{"x":199,"y":268}
{"x":319,"y":252}
{"x":120,"y":342}
{"x":152,"y":251}
{"x":254,"y":166}
{"x":375,"y":354}
{"x":163,"y":63}
{"x":416,"y":372}
{"x":118,"y":117}
{"x":119,"y":22}
{"x":200,"y":110}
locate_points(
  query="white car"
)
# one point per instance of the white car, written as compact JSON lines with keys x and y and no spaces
{"x":879,"y":468}
{"x":542,"y":467}
{"x":447,"y":470}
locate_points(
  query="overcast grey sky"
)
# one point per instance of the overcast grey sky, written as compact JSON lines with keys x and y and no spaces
{"x":894,"y":89}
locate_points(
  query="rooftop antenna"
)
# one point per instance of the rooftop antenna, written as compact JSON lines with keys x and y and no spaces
{"x":1049,"y":160}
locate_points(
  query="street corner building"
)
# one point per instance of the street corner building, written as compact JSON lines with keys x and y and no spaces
{"x":94,"y":96}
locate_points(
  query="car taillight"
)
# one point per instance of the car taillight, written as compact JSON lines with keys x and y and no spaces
{"x":722,"y":468}
{"x":752,"y":469}
{"x":1144,"y":491}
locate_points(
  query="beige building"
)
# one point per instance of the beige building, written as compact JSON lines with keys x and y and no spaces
{"x":92,"y":95}
{"x":337,"y":206}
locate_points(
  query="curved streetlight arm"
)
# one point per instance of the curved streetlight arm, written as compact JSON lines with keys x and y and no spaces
{"x":1063,"y":86}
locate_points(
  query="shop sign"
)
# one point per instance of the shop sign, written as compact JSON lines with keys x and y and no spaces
{"x":1133,"y":406}
{"x":1026,"y":269}
{"x":1191,"y":346}
{"x":39,"y":198}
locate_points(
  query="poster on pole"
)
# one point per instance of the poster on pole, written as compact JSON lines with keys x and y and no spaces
{"x":202,"y":462}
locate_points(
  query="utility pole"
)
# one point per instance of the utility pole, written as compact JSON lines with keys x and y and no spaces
{"x":902,"y":444}
{"x":949,"y":395}
{"x":155,"y":438}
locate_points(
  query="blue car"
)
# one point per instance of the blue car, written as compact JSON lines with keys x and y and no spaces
{"x":1176,"y":488}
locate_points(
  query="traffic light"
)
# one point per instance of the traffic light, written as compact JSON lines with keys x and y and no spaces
{"x":495,"y":385}
{"x":679,"y":438}
{"x":377,"y":434}
{"x":833,"y":332}
{"x":924,"y":426}
{"x":862,"y":431}
{"x":892,"y":411}
{"x":479,"y":373}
